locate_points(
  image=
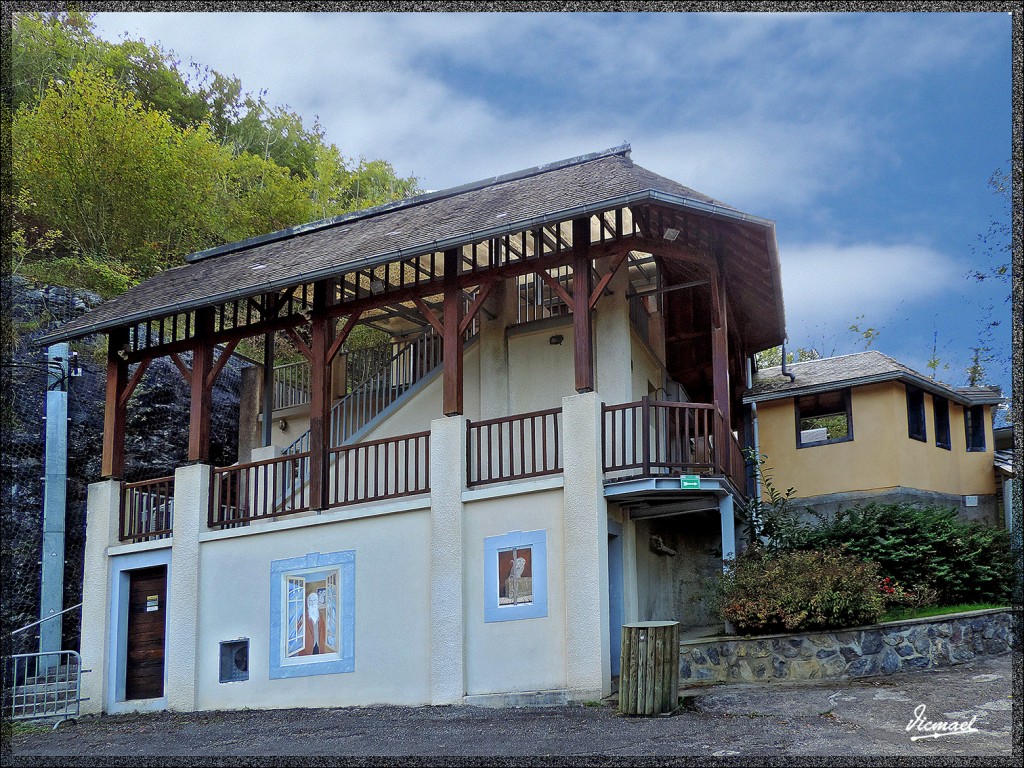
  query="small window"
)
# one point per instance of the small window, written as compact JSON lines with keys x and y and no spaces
{"x":823,"y":418}
{"x":915,"y":414}
{"x":974,"y":426}
{"x":940,"y":406}
{"x":234,"y":660}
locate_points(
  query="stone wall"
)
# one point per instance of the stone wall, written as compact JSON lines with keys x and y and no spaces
{"x":879,"y":649}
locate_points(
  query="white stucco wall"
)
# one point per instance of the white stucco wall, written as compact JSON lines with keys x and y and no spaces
{"x":645,"y":369}
{"x":526,"y":654}
{"x":392,"y":609}
{"x":541,"y":373}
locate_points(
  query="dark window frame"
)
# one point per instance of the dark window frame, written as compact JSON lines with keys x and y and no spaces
{"x":940,"y":406}
{"x":847,"y":401}
{"x":974,"y":428}
{"x":915,"y":408}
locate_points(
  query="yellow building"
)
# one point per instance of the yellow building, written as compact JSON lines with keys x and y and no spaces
{"x":863,"y":427}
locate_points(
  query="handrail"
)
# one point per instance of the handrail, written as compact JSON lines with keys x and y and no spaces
{"x":45,"y":618}
{"x":388,"y":468}
{"x":258,"y":490}
{"x":146,"y":509}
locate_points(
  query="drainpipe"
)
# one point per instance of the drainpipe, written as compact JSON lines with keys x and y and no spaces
{"x":753,"y":426}
{"x":792,"y":378}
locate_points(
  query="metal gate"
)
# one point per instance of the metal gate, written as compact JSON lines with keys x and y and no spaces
{"x":40,"y":685}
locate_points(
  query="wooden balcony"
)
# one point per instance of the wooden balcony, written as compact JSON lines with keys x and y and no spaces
{"x":653,"y":438}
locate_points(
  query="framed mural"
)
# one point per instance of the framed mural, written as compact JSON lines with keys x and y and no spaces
{"x":515,"y":576}
{"x":312,"y":615}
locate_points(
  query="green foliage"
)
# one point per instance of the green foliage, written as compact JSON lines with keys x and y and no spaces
{"x":963,"y":561}
{"x":785,"y":591}
{"x":767,"y":520}
{"x":770,"y":358}
{"x":127,"y":161}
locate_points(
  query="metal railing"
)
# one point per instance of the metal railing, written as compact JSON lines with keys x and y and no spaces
{"x":259,"y":490}
{"x":514,"y":447}
{"x":291,"y":385}
{"x":40,"y":685}
{"x":380,"y":469}
{"x":147,"y":510}
{"x":660,"y":437}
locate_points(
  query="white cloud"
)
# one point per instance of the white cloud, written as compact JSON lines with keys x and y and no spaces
{"x":826,"y":285}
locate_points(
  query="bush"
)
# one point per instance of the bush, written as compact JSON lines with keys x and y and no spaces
{"x":929,"y":547}
{"x":784,"y":591}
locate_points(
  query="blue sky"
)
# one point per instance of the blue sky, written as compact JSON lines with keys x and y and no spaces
{"x":868,"y":138}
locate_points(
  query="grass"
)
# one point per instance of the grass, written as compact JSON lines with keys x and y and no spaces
{"x":902,"y":614}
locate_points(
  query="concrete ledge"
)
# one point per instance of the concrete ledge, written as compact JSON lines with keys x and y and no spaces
{"x":878,"y":649}
{"x":552,"y":698}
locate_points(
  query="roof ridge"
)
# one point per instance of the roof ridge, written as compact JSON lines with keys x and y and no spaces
{"x":287,"y":233}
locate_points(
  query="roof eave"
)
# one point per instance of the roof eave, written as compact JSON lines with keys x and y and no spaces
{"x":436,"y":245}
{"x":861,"y":381}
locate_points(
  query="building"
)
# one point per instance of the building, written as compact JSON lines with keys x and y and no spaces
{"x":864,"y":428}
{"x":467,"y":515}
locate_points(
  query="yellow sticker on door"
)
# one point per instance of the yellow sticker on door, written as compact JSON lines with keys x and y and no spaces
{"x":152,"y":603}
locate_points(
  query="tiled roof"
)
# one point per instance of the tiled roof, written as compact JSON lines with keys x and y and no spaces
{"x":1004,"y":461}
{"x":393,"y":231}
{"x":856,"y":370}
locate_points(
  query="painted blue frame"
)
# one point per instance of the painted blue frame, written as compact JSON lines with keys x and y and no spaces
{"x":346,"y":659}
{"x":537,"y":541}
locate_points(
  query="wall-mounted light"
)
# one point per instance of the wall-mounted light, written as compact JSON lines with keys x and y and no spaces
{"x":671,"y":234}
{"x":376,"y":287}
{"x":556,"y":339}
{"x":282,"y":424}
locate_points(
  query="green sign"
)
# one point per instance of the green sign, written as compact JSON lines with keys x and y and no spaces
{"x":690,"y":482}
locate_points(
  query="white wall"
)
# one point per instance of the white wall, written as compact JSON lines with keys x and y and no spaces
{"x":392,"y":609}
{"x":527,"y":654}
{"x":541,"y":373}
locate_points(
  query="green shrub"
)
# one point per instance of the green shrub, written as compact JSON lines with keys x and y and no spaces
{"x":961,"y":560}
{"x":784,"y":591}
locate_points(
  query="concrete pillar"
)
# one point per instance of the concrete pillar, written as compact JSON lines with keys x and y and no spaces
{"x":191,"y":505}
{"x":102,"y":510}
{"x":447,"y":636}
{"x":250,"y":400}
{"x":613,"y":347}
{"x":585,"y":536}
{"x":728,"y":517}
{"x":494,"y":370}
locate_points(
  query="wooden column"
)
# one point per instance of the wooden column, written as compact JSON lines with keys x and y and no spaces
{"x":201,"y":411}
{"x":319,"y":400}
{"x":116,"y":407}
{"x":583,"y":334}
{"x":720,"y":348}
{"x":452,"y":338}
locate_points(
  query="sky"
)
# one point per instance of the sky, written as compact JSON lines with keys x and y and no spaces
{"x":869,"y":139}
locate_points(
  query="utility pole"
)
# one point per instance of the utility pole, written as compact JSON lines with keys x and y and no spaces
{"x":51,"y":601}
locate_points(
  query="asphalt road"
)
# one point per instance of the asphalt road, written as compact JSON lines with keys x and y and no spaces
{"x":857,"y":718}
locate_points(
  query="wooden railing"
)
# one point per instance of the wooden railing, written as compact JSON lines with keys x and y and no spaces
{"x":380,"y":469}
{"x":514,"y":447}
{"x":658,"y":437}
{"x":259,"y":490}
{"x":147,"y":510}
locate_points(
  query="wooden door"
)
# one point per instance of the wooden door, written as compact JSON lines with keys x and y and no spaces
{"x":147,"y":610}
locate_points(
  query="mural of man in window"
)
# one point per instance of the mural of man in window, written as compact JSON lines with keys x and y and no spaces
{"x":515,"y":566}
{"x":312,"y":614}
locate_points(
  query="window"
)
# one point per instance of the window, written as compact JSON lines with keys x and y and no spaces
{"x":915,"y":414}
{"x":515,"y":576}
{"x":940,"y":406}
{"x":823,"y":418}
{"x":974,"y":426}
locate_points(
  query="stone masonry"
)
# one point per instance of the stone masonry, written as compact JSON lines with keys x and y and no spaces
{"x":879,"y":649}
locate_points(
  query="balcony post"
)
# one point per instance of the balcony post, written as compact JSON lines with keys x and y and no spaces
{"x":720,"y":350}
{"x":201,"y":410}
{"x":319,"y":401}
{"x":453,"y":405}
{"x":116,"y":408}
{"x":583,"y":337}
{"x":645,"y":432}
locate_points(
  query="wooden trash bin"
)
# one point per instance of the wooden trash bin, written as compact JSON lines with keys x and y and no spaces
{"x":649,"y":668}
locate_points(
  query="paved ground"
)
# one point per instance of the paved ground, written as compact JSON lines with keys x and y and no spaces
{"x":861,"y":718}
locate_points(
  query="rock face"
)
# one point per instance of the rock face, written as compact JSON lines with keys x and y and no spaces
{"x":881,"y":649}
{"x":156,"y":442}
